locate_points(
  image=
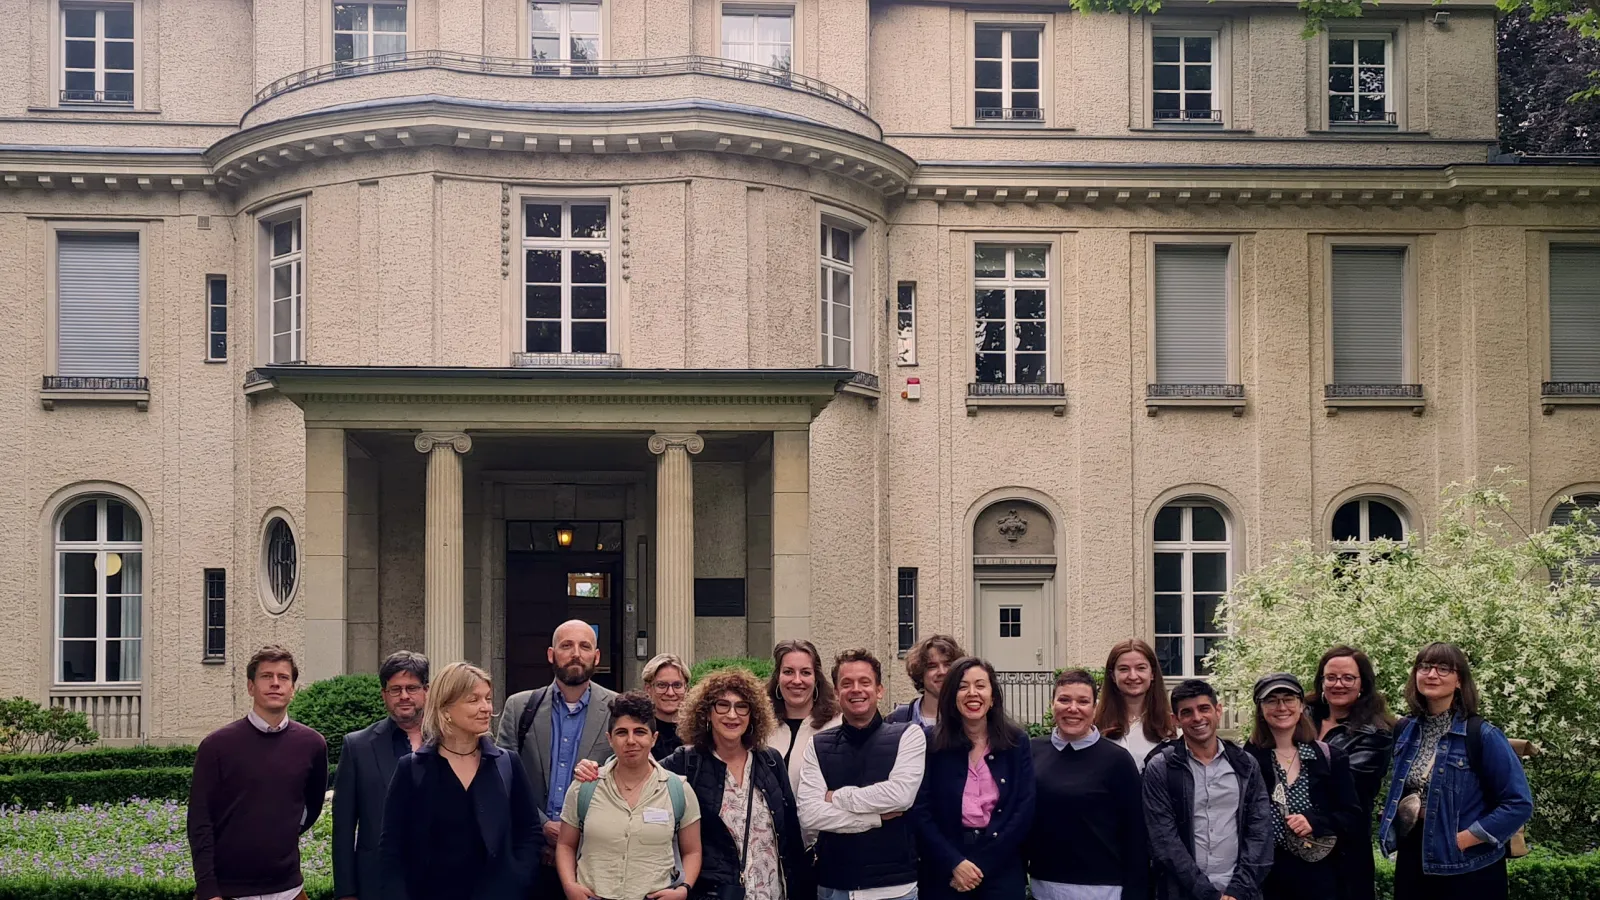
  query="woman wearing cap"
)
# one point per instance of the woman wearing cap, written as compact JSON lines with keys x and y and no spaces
{"x":1449,"y":815}
{"x":1352,"y":716}
{"x":1312,"y":794}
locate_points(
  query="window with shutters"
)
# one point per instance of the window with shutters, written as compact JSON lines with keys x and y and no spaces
{"x":98,"y":50}
{"x":1192,"y":567}
{"x":98,"y":310}
{"x":1193,"y":321}
{"x":1574,"y":298}
{"x":1371,"y":324}
{"x":1573,"y":508}
{"x":283,"y":286}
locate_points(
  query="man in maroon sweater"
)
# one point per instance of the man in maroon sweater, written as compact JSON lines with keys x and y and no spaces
{"x":258,"y":785}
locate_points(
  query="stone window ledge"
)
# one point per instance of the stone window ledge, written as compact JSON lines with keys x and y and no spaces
{"x":1172,"y":396}
{"x":1568,"y":393}
{"x":862,"y":384}
{"x":1373,"y":396}
{"x":1050,"y":395}
{"x":68,"y":388}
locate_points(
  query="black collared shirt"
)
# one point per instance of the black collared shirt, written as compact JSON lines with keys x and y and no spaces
{"x":402,"y":743}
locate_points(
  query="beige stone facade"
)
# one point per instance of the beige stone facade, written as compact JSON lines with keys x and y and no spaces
{"x":797,"y":317}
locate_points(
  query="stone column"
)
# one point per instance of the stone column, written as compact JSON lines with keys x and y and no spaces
{"x":325,"y":554}
{"x":791,"y":535}
{"x":675,"y":542}
{"x":444,"y":604}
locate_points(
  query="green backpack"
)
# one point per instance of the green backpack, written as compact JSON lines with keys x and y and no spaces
{"x":674,"y":791}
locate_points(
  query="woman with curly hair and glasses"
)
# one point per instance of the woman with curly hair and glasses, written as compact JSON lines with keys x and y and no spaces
{"x":749,"y":829}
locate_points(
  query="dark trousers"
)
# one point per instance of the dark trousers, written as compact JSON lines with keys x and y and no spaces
{"x":547,"y":884}
{"x":1292,"y":878}
{"x":1008,"y":881}
{"x":1488,"y":883}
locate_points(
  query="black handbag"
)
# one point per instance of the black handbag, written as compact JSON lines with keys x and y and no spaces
{"x":736,"y":891}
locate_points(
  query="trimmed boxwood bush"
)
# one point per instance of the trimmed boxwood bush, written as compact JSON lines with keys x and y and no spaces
{"x":32,"y":790}
{"x":761,"y":668}
{"x":337,"y":706}
{"x":98,"y":760}
{"x":39,"y":887}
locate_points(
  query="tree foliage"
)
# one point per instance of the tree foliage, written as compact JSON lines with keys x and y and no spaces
{"x":1478,"y":581}
{"x":1546,"y":68}
{"x":27,"y":727}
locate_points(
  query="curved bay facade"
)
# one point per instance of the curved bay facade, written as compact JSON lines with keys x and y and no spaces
{"x":357,"y":327}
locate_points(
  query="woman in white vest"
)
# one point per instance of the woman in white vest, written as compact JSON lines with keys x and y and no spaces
{"x":802,"y":699}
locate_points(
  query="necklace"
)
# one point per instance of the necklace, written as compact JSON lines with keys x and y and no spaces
{"x":630,"y":788}
{"x":472,"y":752}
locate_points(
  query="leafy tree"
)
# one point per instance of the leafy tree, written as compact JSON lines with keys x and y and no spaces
{"x":27,"y":727}
{"x":1545,"y":69}
{"x":1479,"y":582}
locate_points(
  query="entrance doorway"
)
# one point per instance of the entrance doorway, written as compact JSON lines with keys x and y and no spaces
{"x":557,"y":571}
{"x":1014,"y":632}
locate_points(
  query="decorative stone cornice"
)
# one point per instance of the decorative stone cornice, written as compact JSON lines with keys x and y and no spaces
{"x":429,"y":441}
{"x":659,"y":442}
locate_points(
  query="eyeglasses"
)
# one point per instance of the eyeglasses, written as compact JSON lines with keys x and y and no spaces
{"x":1279,"y":701}
{"x":723,"y":707}
{"x":668,"y":687}
{"x":409,"y":690}
{"x":1341,"y":679}
{"x":1439,"y":669}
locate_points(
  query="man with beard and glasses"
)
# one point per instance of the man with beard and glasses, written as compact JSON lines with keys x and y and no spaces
{"x":366,"y":764}
{"x":554,"y":727}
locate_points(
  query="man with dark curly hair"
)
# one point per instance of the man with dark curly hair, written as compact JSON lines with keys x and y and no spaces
{"x":928,"y":662}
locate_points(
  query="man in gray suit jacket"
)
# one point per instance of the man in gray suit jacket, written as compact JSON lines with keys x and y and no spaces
{"x":553,"y":727}
{"x":366,"y":764}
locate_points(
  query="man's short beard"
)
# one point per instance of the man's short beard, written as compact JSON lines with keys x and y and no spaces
{"x":570,"y":681}
{"x":413,"y":719}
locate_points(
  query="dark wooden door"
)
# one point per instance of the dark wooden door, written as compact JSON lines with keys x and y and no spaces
{"x":537,"y":602}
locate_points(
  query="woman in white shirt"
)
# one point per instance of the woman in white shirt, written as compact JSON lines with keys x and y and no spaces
{"x":802,"y":699}
{"x":1133,"y":711}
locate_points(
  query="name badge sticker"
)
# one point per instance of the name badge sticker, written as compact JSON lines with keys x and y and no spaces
{"x":653,"y":816}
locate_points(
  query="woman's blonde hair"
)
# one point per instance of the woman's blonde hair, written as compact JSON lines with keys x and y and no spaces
{"x":457,"y":680}
{"x":661,"y":661}
{"x":694,"y":726}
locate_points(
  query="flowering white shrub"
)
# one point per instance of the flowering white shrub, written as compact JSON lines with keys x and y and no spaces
{"x":1524,"y":607}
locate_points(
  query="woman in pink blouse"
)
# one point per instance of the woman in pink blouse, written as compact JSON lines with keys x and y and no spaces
{"x":975,"y":806}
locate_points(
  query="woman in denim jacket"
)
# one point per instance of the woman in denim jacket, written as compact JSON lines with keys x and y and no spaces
{"x":1448,"y":822}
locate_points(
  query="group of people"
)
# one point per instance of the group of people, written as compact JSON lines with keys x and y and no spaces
{"x":730,"y":789}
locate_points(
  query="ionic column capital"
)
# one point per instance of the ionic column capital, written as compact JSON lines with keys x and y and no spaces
{"x":691,"y":442}
{"x":429,"y":441}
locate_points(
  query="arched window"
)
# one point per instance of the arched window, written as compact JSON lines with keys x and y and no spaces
{"x":1563,"y":516}
{"x":99,"y":569}
{"x":1368,"y":519}
{"x":1193,"y":565}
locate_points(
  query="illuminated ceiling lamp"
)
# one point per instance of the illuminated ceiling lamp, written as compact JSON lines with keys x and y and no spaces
{"x":564,"y":535}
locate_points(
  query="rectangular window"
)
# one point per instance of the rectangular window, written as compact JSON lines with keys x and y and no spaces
{"x":97,"y":304}
{"x":1368,"y":315}
{"x":1184,"y":79}
{"x":216,"y":318}
{"x":216,"y":613}
{"x":566,"y":276}
{"x":1359,"y":90}
{"x":907,"y":602}
{"x":1011,"y":312}
{"x":1006,"y":74}
{"x":363,"y":30}
{"x":97,"y":53}
{"x":1011,"y":621}
{"x":564,"y":31}
{"x":1574,"y":312}
{"x":1191,"y":314}
{"x":1192,"y":570}
{"x":285,"y":288}
{"x":905,"y":322}
{"x":761,"y":37}
{"x":837,"y":285}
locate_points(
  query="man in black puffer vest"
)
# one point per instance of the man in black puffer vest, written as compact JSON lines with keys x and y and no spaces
{"x":856,"y":783}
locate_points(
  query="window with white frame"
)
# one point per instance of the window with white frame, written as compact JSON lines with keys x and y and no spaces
{"x":763,"y":37}
{"x":836,"y":283}
{"x":1368,"y":315}
{"x":1574,"y":313}
{"x":280,"y":565}
{"x":285,"y":298}
{"x":1367,"y":519}
{"x":97,"y":304}
{"x":1360,"y":91}
{"x":1011,"y":314}
{"x":905,"y":323}
{"x":364,"y":30}
{"x":1006,"y":71}
{"x":1193,"y":565}
{"x":565,"y":31}
{"x":97,"y":53}
{"x":216,"y":318}
{"x":566,"y":276}
{"x":99,"y":575}
{"x":1566,"y":514}
{"x":1191,"y":313}
{"x":1183,"y":77}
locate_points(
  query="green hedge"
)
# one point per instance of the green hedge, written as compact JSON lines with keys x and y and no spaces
{"x":1539,"y":876}
{"x":98,"y":760}
{"x":761,"y":668}
{"x":33,"y":790}
{"x":39,"y":887}
{"x":337,"y":706}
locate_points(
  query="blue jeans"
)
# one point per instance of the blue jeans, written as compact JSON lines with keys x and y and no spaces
{"x":824,"y":893}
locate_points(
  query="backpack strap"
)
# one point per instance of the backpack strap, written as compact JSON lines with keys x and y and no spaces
{"x":525,"y":721}
{"x":1475,"y":746}
{"x":502,"y":764}
{"x":675,"y":793}
{"x":585,"y":797}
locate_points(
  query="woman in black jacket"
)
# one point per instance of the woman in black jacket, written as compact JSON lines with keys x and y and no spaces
{"x":725,"y":723}
{"x":1312,"y":793}
{"x":1350,"y":715}
{"x":458,"y":821}
{"x":975,"y":806}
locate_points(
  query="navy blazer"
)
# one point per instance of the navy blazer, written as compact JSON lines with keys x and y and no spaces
{"x":937,"y":816}
{"x":360,"y":785}
{"x":508,"y":823}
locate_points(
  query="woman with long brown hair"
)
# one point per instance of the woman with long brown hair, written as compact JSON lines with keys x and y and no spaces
{"x":803,"y":700}
{"x":1351,"y":715}
{"x":1133,"y":711}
